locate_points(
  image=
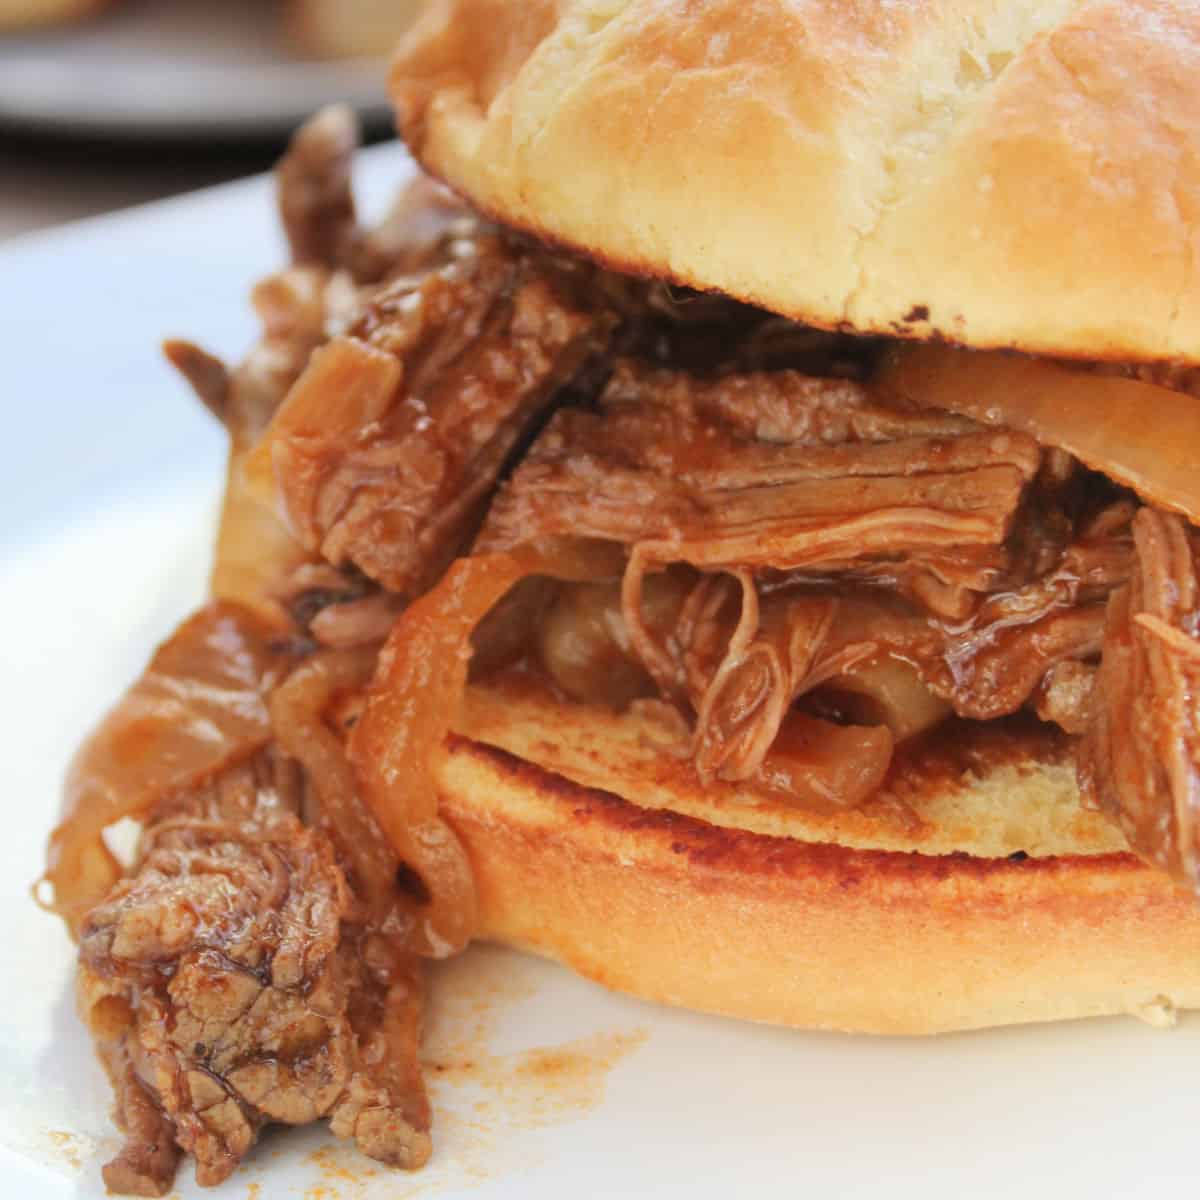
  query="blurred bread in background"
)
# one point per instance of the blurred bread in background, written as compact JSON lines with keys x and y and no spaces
{"x":22,"y":14}
{"x":311,"y":28}
{"x":349,"y":28}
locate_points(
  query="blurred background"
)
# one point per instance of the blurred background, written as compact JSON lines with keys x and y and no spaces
{"x":108,"y":103}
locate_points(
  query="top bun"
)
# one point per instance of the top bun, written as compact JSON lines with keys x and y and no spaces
{"x":1015,"y":173}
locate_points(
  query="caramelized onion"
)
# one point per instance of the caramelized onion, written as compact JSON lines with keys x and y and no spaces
{"x":414,"y":702}
{"x":818,"y":763}
{"x":1142,"y":435}
{"x":890,"y":691}
{"x":255,"y":552}
{"x":198,"y":707}
{"x":585,"y":645}
{"x":346,"y":387}
{"x":297,"y":707}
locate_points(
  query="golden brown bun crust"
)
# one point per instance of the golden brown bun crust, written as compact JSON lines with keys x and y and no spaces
{"x":998,"y":172}
{"x":815,"y":936}
{"x":771,"y":928}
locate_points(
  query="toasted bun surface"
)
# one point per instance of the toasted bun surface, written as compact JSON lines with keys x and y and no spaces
{"x":728,"y":903}
{"x":996,"y":172}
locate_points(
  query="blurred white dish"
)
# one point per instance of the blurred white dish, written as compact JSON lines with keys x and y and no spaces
{"x":212,"y":68}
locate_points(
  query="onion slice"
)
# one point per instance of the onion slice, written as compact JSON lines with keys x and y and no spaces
{"x":890,"y":690}
{"x":1141,"y":435}
{"x":198,"y":707}
{"x":826,"y":766}
{"x":255,"y":552}
{"x":413,"y":704}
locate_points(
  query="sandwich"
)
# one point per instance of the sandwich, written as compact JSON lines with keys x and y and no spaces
{"x":731,"y":529}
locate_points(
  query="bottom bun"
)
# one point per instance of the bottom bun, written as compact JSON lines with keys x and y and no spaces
{"x":709,"y":916}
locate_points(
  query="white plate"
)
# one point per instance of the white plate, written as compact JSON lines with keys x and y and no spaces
{"x":110,"y":478}
{"x":176,"y":67}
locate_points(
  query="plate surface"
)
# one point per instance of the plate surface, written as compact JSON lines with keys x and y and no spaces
{"x":544,"y":1084}
{"x":176,"y":68}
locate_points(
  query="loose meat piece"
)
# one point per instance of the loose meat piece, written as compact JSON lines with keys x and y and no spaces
{"x":387,"y":449}
{"x":148,"y":1160}
{"x":991,"y":664}
{"x":316,"y":201}
{"x":315,"y":196}
{"x":341,"y":609}
{"x":993,"y":671}
{"x":1138,"y":759}
{"x":228,"y":985}
{"x":665,"y":464}
{"x":949,"y":584}
{"x":335,"y":263}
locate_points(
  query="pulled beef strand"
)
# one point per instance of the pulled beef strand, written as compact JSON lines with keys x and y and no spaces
{"x":315,"y":199}
{"x":991,"y":664}
{"x":148,"y":1159}
{"x":776,"y":654}
{"x":782,"y":407}
{"x":1138,"y":758}
{"x":314,"y":191}
{"x":663,"y":474}
{"x":685,"y":624}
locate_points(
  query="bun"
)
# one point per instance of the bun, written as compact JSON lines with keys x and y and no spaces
{"x":725,"y":918}
{"x":900,"y":168}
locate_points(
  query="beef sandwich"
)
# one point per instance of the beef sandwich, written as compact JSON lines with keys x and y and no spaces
{"x":739,"y":541}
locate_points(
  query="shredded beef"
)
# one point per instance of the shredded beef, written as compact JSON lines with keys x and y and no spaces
{"x":779,"y":651}
{"x":387,"y":449}
{"x":804,"y":489}
{"x":654,"y":467}
{"x":990,"y":665}
{"x":230,"y":984}
{"x":316,"y":202}
{"x":1138,"y":758}
{"x":337,"y":264}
